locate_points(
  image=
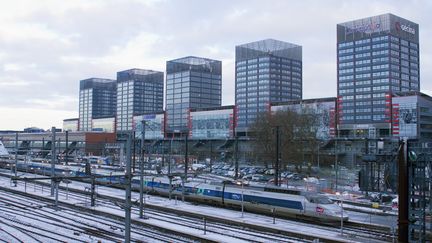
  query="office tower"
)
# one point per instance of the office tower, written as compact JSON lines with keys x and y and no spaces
{"x":139,"y":92}
{"x":377,"y":56}
{"x":266,"y":71}
{"x":97,"y":98}
{"x":192,"y":82}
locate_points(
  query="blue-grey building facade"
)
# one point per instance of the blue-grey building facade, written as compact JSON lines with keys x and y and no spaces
{"x":139,"y":91}
{"x":191,"y":82}
{"x":97,"y":98}
{"x":376,"y":57}
{"x":266,"y":71}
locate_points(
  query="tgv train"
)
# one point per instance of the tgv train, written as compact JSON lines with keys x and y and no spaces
{"x":280,"y":201}
{"x":268,"y":200}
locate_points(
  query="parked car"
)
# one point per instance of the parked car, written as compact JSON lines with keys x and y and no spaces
{"x":381,"y":197}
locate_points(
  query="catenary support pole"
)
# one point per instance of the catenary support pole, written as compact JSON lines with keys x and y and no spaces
{"x":93,"y":192}
{"x":67,"y":148}
{"x":16,"y":156}
{"x":141,"y":209}
{"x":128,"y":189}
{"x":236,"y":162}
{"x":169,"y":168}
{"x":133,"y":153}
{"x":276,"y":178}
{"x":53,"y":158}
{"x":403,"y":192}
{"x":186,"y":165}
{"x":211,"y":155}
{"x":56,"y":193}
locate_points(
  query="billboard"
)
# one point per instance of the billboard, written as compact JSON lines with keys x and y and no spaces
{"x":212,"y":124}
{"x":405,"y":118}
{"x":324,"y":110}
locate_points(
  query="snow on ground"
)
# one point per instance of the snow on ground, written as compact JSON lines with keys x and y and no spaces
{"x":288,"y":225}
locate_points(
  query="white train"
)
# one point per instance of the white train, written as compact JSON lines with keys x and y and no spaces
{"x":267,"y":200}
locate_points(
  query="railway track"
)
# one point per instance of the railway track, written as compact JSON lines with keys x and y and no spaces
{"x":67,"y":225}
{"x":235,"y":229}
{"x":239,"y":233}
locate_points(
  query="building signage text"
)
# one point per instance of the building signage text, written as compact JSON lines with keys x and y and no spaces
{"x":405,"y":28}
{"x":365,"y":28}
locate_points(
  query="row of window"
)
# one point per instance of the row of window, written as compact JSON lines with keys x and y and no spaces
{"x":271,"y":60}
{"x":363,"y":117}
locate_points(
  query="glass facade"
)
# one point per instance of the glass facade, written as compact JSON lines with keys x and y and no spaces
{"x":377,"y":56}
{"x":322,"y":108}
{"x":97,"y":98}
{"x":212,"y":124}
{"x":138,"y":91}
{"x":154,"y":126}
{"x":70,"y":125}
{"x":104,"y":124}
{"x":192,"y":82}
{"x":266,"y":71}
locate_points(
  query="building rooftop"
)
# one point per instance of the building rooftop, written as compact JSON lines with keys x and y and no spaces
{"x":193,"y":63}
{"x":139,"y":74}
{"x":138,"y":71}
{"x":71,"y":119}
{"x":96,"y":82}
{"x":412,"y":93}
{"x":378,"y":25}
{"x":266,"y":47}
{"x":192,"y":60}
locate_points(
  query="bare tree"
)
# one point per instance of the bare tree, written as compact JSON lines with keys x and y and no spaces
{"x":297,"y":131}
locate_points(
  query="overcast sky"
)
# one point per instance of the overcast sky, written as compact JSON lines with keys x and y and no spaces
{"x":46,"y":47}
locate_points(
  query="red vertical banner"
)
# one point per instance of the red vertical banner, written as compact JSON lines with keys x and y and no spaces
{"x":388,"y":108}
{"x":395,"y":120}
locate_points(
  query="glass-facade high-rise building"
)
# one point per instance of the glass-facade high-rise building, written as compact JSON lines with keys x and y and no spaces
{"x":97,"y":98}
{"x":376,"y":56}
{"x":266,"y":71}
{"x":192,"y":82}
{"x":139,"y":92}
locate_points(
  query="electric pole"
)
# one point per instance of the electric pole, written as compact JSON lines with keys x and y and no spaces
{"x":53,"y":158}
{"x":276,"y":178}
{"x":141,"y":210}
{"x":128,"y":189}
{"x":186,"y":166}
{"x":236,"y":165}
